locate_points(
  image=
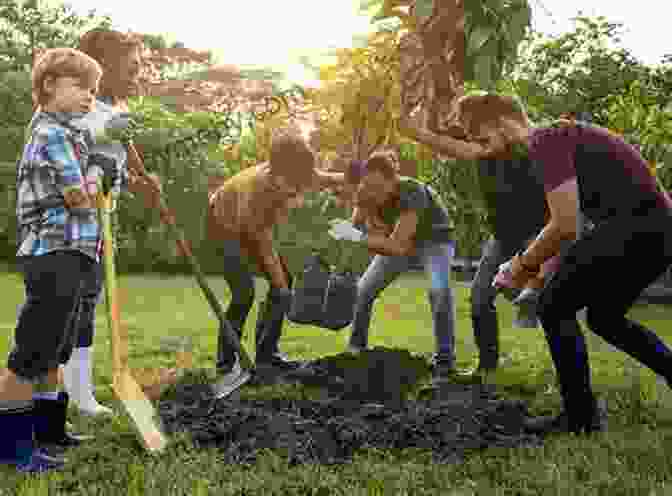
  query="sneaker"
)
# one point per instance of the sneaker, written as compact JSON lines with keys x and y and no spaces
{"x":559,"y":424}
{"x":280,"y":362}
{"x":230,"y":381}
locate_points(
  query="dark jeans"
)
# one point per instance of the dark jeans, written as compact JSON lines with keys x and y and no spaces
{"x":626,"y":255}
{"x":46,"y":324}
{"x":483,"y":312}
{"x":240,"y":278}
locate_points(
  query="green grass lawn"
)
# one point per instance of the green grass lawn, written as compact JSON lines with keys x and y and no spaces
{"x":632,"y":458}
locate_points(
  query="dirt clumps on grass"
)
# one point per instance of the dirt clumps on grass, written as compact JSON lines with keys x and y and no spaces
{"x":367,"y":408}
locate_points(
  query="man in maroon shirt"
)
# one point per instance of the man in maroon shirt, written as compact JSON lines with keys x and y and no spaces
{"x":583,"y":168}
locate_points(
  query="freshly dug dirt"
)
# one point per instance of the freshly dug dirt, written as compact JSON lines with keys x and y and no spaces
{"x":367,"y":409}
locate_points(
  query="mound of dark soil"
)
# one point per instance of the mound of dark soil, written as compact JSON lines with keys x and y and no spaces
{"x":378,"y":375}
{"x":368,"y":410}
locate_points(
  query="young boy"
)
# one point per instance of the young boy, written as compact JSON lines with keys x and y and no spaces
{"x":59,"y":243}
{"x":404,"y":219}
{"x":241,"y":216}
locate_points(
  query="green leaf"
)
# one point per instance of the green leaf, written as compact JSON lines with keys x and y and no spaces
{"x":517,"y":25}
{"x":478,"y":37}
{"x":424,"y":8}
{"x":383,"y":13}
{"x":483,"y":72}
{"x":365,"y":6}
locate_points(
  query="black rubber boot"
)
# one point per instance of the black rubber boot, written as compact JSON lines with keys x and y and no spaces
{"x":18,"y":447}
{"x":50,"y":420}
{"x":269,"y":325}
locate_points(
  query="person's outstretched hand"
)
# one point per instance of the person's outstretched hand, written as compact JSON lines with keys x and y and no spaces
{"x":106,"y":127}
{"x":149,"y":187}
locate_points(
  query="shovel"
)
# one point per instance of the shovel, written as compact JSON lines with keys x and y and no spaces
{"x":225,"y":386}
{"x":134,"y":401}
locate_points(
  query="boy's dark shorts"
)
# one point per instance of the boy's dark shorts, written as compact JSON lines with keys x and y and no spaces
{"x":45,"y":326}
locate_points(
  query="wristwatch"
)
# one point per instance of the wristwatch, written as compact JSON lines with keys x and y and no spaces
{"x":526,"y":268}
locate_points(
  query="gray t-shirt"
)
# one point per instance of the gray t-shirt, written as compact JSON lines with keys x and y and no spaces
{"x":434,"y":222}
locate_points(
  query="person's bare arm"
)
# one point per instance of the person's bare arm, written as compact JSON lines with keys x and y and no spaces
{"x":148,"y":187}
{"x":563,"y":203}
{"x":326,"y":180}
{"x":417,"y":128}
{"x":460,"y":149}
{"x":262,"y":251}
{"x":402,"y":240}
{"x":359,"y":215}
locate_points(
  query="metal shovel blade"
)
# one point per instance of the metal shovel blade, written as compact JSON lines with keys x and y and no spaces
{"x":230,"y":383}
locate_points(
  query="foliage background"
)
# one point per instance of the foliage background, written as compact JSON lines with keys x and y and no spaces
{"x":357,"y":109}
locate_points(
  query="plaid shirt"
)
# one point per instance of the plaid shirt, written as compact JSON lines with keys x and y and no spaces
{"x":54,"y":162}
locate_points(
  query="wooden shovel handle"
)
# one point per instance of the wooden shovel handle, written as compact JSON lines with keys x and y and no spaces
{"x":167,"y":216}
{"x":118,"y":341}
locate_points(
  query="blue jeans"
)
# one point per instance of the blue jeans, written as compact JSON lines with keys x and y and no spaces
{"x":437,"y":260}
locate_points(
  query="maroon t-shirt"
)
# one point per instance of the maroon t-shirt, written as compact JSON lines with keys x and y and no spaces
{"x":613,"y":178}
